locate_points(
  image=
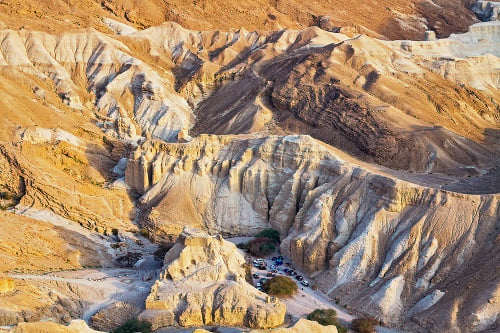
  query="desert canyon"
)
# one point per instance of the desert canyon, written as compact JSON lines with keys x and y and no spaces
{"x":142,"y":142}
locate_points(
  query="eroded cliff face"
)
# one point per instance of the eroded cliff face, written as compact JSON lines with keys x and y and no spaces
{"x":203,"y":283}
{"x":383,"y":245}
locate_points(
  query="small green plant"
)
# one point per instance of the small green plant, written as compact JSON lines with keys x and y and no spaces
{"x":261,"y":246}
{"x":281,"y":286}
{"x":134,"y":325}
{"x":323,"y":316}
{"x":270,"y":233}
{"x":326,"y":317}
{"x":365,"y":324}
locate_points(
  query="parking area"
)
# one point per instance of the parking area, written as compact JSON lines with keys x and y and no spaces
{"x":264,"y":269}
{"x":306,"y":299}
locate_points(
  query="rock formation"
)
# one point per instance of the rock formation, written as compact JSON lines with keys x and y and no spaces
{"x":113,"y":316}
{"x":203,"y":283}
{"x":379,"y":243}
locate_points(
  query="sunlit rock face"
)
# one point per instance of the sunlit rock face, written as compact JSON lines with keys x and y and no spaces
{"x":203,"y":283}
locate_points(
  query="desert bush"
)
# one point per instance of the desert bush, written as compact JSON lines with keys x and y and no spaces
{"x":280,"y":286}
{"x":134,"y":325}
{"x":364,"y":324}
{"x":261,"y":246}
{"x":270,"y":233}
{"x":326,"y":317}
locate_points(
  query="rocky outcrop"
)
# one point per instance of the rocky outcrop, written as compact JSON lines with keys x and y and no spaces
{"x":113,"y":316}
{"x":203,"y":283}
{"x":377,"y":242}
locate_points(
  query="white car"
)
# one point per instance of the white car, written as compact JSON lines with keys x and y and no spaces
{"x":305,"y":283}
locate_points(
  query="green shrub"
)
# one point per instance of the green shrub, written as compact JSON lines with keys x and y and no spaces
{"x":281,"y":286}
{"x":365,"y":324}
{"x":270,"y":233}
{"x":261,"y":246}
{"x":326,"y":317}
{"x":134,"y":325}
{"x":267,"y":248}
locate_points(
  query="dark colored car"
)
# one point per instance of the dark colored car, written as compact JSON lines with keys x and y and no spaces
{"x":291,"y":272}
{"x":299,"y":277}
{"x":255,"y":276}
{"x":274,"y":258}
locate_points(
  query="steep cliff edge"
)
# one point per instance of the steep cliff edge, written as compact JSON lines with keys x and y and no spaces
{"x":383,"y":245}
{"x":203,"y":283}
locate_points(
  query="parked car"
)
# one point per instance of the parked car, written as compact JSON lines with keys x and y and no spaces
{"x":255,"y":275}
{"x":280,"y":258}
{"x":262,"y":267}
{"x":291,"y":272}
{"x":274,"y":258}
{"x":273,"y":266}
{"x":274,"y":271}
{"x":259,"y":284}
{"x":299,"y":277}
{"x":305,"y":283}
